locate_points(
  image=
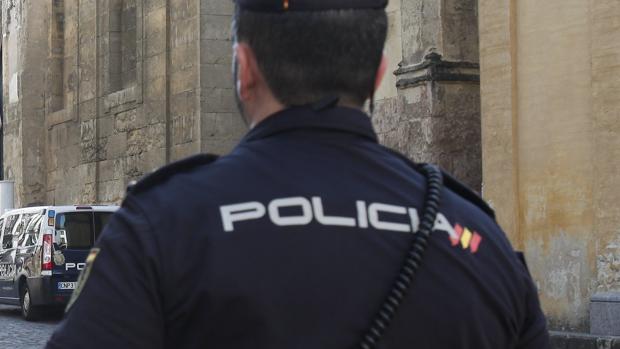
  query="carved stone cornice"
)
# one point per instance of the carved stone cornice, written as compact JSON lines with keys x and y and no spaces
{"x":435,"y":69}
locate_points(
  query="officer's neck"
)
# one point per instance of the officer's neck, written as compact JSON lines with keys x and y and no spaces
{"x":262,"y":111}
{"x":259,"y":105}
{"x":271,"y":106}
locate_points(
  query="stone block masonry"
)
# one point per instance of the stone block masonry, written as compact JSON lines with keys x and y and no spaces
{"x":551,"y":148}
{"x":130,"y":85}
{"x":430,"y":108}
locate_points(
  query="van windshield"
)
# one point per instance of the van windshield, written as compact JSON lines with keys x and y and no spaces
{"x":80,"y":230}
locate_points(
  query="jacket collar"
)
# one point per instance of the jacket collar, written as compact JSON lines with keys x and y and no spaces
{"x":341,"y":119}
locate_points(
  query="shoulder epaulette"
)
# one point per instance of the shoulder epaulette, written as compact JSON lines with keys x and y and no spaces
{"x":453,"y":184}
{"x":164,"y":173}
{"x":465,"y":192}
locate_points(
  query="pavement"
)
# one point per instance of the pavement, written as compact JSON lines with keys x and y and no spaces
{"x":17,"y":333}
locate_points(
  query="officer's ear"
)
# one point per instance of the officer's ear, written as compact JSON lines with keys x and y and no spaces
{"x":381,"y":71}
{"x":248,"y":73}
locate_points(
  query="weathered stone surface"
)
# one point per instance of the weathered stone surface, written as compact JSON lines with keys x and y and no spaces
{"x":216,"y":75}
{"x":605,"y":314}
{"x":150,"y":5}
{"x":183,"y":81}
{"x":432,"y":113}
{"x":125,"y":121}
{"x":215,"y":27}
{"x":219,"y":123}
{"x":99,"y":88}
{"x":184,"y":31}
{"x":219,"y":100}
{"x":215,"y":52}
{"x":155,"y":67}
{"x":178,"y":59}
{"x":183,"y":9}
{"x":551,"y":141}
{"x":216,"y":7}
{"x":144,"y":139}
{"x":572,"y":340}
{"x":155,"y":28}
{"x":111,"y":170}
{"x":436,"y":123}
{"x":24,"y":90}
{"x":111,"y":191}
{"x":180,"y":151}
{"x":217,"y":138}
{"x":116,"y":145}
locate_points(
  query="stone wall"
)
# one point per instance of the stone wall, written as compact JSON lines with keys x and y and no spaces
{"x":429,"y":108}
{"x":24,"y":111}
{"x":99,"y":93}
{"x":130,"y":85}
{"x":218,"y":107}
{"x":551,"y":143}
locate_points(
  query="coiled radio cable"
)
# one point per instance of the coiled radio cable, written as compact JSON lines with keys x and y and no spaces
{"x":412,"y":262}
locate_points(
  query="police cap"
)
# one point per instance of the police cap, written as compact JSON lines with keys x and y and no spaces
{"x":309,"y":5}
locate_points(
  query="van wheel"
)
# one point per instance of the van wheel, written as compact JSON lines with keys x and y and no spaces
{"x":29,"y":312}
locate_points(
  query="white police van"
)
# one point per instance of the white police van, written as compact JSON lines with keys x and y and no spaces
{"x":42,"y":252}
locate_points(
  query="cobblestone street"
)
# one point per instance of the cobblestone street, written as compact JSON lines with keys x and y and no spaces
{"x":17,"y":333}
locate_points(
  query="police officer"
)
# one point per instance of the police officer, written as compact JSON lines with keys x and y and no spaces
{"x":309,"y":234}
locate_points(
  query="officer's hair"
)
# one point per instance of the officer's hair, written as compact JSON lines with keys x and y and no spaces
{"x":308,"y":56}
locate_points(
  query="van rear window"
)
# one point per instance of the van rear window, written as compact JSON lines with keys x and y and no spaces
{"x":101,"y":220}
{"x":81,"y":229}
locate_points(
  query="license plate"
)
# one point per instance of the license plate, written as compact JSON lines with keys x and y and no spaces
{"x":66,"y":285}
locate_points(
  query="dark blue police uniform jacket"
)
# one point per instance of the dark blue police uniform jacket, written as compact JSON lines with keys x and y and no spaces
{"x":293,"y":241}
